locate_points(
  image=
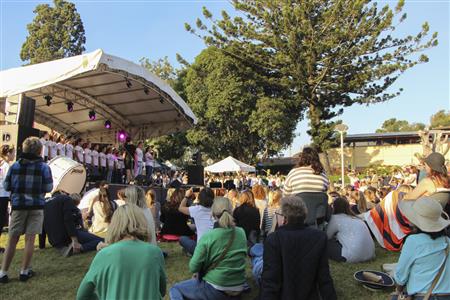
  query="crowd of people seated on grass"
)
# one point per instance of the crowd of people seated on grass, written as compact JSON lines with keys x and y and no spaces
{"x":288,"y":234}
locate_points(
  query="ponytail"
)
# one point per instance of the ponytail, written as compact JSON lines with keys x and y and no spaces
{"x":221,"y":210}
{"x":226,"y":220}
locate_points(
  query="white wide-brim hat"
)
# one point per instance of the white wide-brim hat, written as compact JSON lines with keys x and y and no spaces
{"x":425,"y":213}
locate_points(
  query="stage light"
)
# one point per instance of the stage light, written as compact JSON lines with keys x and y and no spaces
{"x":128,"y":82}
{"x":161,"y":99}
{"x":122,"y":136}
{"x":146,"y":91}
{"x":70,"y":106}
{"x":48,"y":98}
{"x":92,"y":115}
{"x":108,"y":124}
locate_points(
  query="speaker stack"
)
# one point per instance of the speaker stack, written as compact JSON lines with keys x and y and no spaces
{"x":19,"y":113}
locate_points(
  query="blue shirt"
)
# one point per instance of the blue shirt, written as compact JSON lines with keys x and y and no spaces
{"x":419,"y":264}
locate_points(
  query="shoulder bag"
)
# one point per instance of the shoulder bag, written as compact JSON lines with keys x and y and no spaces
{"x":212,"y":266}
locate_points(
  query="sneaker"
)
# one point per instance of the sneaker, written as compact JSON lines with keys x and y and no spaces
{"x":66,"y":251}
{"x":4,"y":279}
{"x":26,"y":276}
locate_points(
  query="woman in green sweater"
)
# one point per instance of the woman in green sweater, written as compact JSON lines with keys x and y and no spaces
{"x":130,"y":267}
{"x":218,"y":262}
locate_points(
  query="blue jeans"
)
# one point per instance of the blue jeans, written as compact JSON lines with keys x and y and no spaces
{"x":109,"y":175}
{"x":198,"y":290}
{"x":188,"y":244}
{"x":148,"y":173}
{"x":88,"y":240}
{"x":256,"y":254}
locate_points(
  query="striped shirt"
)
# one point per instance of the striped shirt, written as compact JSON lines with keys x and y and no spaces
{"x":269,"y":214}
{"x":303,"y":179}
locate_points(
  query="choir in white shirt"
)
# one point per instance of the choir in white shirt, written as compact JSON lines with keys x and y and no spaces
{"x":102,"y":162}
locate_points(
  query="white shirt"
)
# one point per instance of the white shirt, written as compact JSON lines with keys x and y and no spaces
{"x":61,"y":149}
{"x":111,"y":159}
{"x":120,"y":163}
{"x":102,"y":157}
{"x":203,"y":219}
{"x":69,"y":151}
{"x":87,"y":156}
{"x":52,"y":149}
{"x":79,"y":153}
{"x":148,"y":159}
{"x":44,"y":143}
{"x":4,"y":167}
{"x":95,"y":158}
{"x":139,"y":155}
{"x":88,"y":198}
{"x":353,"y":235}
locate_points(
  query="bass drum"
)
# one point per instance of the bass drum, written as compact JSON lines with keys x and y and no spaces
{"x":68,"y":175}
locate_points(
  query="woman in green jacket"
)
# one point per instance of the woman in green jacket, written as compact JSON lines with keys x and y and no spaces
{"x":130,"y":267}
{"x":218,"y":262}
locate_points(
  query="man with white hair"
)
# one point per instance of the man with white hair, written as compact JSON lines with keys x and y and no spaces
{"x":28,"y":180}
{"x":295,"y":262}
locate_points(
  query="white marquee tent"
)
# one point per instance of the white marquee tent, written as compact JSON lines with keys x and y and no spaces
{"x":229,"y":164}
{"x":125,"y":93}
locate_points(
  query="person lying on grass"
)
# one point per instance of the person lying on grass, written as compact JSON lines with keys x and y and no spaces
{"x":130,"y":267}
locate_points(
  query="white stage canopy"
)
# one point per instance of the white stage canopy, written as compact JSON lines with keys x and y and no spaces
{"x":126,"y":94}
{"x":229,"y":164}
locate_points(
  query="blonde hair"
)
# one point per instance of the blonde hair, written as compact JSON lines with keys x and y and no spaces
{"x":274,"y":198}
{"x":32,"y":145}
{"x":128,"y":221}
{"x":135,"y":195}
{"x":150,"y":197}
{"x":370,"y":196}
{"x":360,"y":199}
{"x":221,"y":210}
{"x":169,"y":193}
{"x":258,"y":192}
{"x":247,"y":197}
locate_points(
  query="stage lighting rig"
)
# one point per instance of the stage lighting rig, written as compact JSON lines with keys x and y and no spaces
{"x":128,"y":83}
{"x":70,"y":106}
{"x":108,"y":124}
{"x":92,"y":115}
{"x":48,"y":99}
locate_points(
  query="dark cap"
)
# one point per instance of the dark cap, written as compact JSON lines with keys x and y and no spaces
{"x":436,"y":162}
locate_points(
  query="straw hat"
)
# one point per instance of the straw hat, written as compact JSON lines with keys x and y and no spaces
{"x":425,"y":213}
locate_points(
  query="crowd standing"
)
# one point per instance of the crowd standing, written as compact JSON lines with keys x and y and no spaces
{"x":289,"y":226}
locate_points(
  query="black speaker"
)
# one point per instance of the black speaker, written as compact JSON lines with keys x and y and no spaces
{"x":14,"y":135}
{"x":26,"y":112}
{"x":195,"y":175}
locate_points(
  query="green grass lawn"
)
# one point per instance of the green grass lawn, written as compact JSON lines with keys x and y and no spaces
{"x":58,"y":277}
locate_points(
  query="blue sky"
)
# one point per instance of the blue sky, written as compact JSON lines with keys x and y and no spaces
{"x":154,"y":29}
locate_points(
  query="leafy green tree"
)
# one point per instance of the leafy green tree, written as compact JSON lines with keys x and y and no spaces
{"x":325,"y":54}
{"x":56,"y":32}
{"x":394,"y":125}
{"x":171,"y":146}
{"x":237,"y":114}
{"x":440,"y":119}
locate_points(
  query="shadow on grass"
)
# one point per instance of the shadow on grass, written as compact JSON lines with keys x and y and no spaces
{"x":58,"y":277}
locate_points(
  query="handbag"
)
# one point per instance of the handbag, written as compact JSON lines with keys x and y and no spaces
{"x":427,"y":296}
{"x":212,"y":266}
